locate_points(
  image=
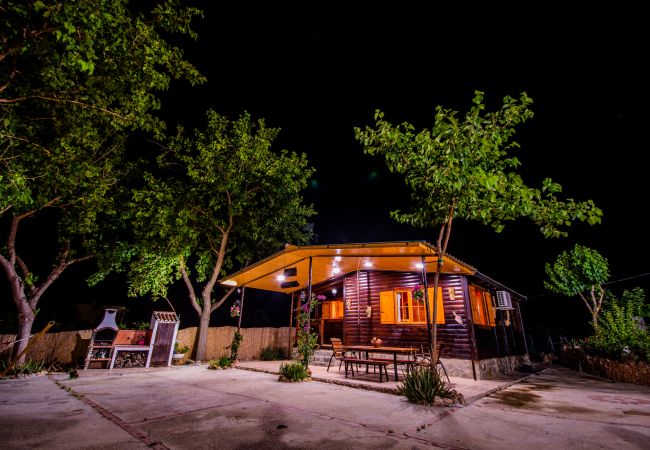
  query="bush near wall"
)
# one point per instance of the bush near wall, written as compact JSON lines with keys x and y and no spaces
{"x":633,"y":372}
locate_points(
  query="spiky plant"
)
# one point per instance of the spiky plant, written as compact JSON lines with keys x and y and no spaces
{"x":423,"y":385}
{"x":293,"y":371}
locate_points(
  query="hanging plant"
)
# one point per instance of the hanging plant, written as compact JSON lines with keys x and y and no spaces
{"x":235,"y":311}
{"x":418,"y":293}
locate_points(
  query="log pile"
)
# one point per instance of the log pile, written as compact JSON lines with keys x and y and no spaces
{"x":130,"y":359}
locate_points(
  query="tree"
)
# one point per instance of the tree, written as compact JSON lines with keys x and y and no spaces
{"x":623,"y":329}
{"x":582,"y":272}
{"x":75,"y":79}
{"x":217,"y":199}
{"x":464,"y":168}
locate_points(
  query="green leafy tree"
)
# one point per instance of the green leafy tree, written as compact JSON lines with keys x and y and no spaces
{"x":465,"y":168}
{"x":622,"y":329}
{"x":581,"y":272}
{"x":218,"y":199}
{"x":75,"y":79}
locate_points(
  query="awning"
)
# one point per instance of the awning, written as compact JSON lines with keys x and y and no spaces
{"x":288,"y":270}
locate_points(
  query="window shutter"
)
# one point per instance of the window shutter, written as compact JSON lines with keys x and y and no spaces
{"x":491,"y":310}
{"x":476,"y":299}
{"x":387,"y":307}
{"x":325,"y":312}
{"x":337,"y":313}
{"x":440,"y":310}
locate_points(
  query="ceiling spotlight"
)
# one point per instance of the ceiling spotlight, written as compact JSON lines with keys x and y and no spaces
{"x":336,"y":270}
{"x":367,"y":264}
{"x":334,"y":291}
{"x":419,"y":266}
{"x":280,"y":277}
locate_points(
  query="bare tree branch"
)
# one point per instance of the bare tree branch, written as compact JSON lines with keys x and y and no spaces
{"x":190,"y":288}
{"x":223,"y":299}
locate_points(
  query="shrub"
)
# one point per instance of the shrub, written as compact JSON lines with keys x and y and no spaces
{"x":27,"y":368}
{"x":223,"y":362}
{"x":273,"y":354}
{"x":622,"y":333}
{"x":422,"y":386}
{"x":180,"y":348}
{"x":293,"y":371}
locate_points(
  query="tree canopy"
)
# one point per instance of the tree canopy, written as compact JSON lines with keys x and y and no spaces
{"x":217,"y":199}
{"x":581,"y":271}
{"x":75,"y":79}
{"x":465,"y":167}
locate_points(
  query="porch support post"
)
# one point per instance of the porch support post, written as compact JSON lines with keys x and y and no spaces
{"x":425,"y":283}
{"x":241,"y":308}
{"x":309,"y":280}
{"x":523,"y":330}
{"x":290,"y":322}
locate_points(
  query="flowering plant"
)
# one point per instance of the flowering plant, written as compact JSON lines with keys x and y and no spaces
{"x":307,"y":340}
{"x":235,"y":311}
{"x":418,"y":293}
{"x":376,"y":341}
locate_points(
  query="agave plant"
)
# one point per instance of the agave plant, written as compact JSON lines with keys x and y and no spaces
{"x":423,"y":385}
{"x":293,"y":371}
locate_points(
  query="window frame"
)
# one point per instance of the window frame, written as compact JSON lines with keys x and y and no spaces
{"x":391,"y":314}
{"x":483,"y":306}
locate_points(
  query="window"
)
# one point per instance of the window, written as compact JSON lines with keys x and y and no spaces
{"x":399,"y":306}
{"x":483,"y":308}
{"x":332,"y":309}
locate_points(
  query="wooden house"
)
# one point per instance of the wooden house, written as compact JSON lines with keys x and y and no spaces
{"x":369,"y":292}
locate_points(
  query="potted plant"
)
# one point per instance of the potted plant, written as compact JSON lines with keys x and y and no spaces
{"x":180,"y":350}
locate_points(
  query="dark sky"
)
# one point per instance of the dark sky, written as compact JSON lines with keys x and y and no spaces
{"x":317,"y":70}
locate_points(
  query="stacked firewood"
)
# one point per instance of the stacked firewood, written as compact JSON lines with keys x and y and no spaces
{"x":130,"y":359}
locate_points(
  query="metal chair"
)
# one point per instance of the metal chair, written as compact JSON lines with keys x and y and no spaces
{"x":337,"y":352}
{"x":423,"y":359}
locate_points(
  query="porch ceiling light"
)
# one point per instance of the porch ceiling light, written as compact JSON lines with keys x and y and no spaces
{"x":280,"y":277}
{"x":336,"y":270}
{"x":230,"y":283}
{"x":337,"y":258}
{"x":367,"y":264}
{"x":418,"y":265}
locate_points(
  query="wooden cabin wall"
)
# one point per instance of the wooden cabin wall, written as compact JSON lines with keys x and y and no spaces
{"x":501,"y":340}
{"x":359,"y":329}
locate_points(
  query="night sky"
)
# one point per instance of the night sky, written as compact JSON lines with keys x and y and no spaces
{"x":318,"y":70}
{"x":317,"y":73}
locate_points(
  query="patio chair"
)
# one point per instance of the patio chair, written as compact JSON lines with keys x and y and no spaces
{"x":423,"y":359}
{"x":337,"y":352}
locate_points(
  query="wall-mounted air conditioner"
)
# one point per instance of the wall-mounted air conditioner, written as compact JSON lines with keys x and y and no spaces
{"x":504,"y":301}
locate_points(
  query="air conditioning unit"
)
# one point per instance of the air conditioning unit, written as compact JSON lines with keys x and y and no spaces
{"x":504,"y":301}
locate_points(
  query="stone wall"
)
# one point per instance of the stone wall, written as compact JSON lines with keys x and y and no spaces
{"x":624,"y":372}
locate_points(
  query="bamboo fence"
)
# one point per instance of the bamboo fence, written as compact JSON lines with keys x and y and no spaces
{"x":70,"y":347}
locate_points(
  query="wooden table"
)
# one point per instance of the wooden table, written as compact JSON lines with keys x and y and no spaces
{"x":382,"y":349}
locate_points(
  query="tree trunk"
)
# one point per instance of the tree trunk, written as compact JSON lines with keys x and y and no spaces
{"x":204,"y":327}
{"x":25,"y":322}
{"x":441,"y":249}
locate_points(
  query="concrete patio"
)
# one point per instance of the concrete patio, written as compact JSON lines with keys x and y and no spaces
{"x":472,"y":390}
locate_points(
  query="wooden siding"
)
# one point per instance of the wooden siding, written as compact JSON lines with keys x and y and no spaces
{"x":362,"y":289}
{"x":500,"y":340}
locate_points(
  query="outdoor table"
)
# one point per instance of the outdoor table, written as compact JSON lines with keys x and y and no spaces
{"x":382,"y":349}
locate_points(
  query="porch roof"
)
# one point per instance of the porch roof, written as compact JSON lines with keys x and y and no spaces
{"x":334,"y":260}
